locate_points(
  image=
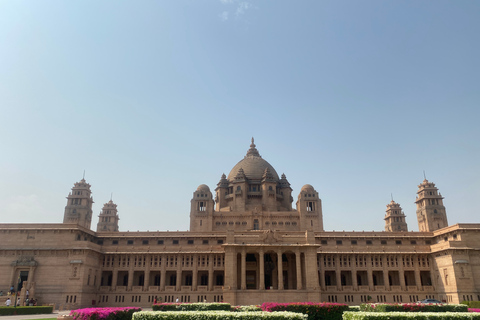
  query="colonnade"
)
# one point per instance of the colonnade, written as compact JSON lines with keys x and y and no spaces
{"x":187,"y":270}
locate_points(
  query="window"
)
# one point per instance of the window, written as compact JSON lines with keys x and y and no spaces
{"x":175,"y":242}
{"x":160,"y":242}
{"x":129,"y":242}
{"x":100,"y":242}
{"x":398,"y":241}
{"x":115,"y":242}
{"x":255,"y":224}
{"x":144,"y":242}
{"x":220,"y":241}
{"x":204,"y":241}
{"x":339,"y":242}
{"x":369,"y":242}
{"x":413,"y":242}
{"x":428,"y":242}
{"x":383,"y":242}
{"x":202,"y":206}
{"x":353,"y":242}
{"x":189,"y":241}
{"x":324,"y":242}
{"x":310,"y":206}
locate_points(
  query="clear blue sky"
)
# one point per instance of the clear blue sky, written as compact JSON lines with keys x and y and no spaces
{"x":153,"y":98}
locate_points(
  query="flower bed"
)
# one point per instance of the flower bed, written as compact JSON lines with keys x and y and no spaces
{"x":412,"y":307}
{"x":410,"y":315}
{"x":104,"y":313}
{"x":314,"y":311}
{"x":217,"y":315}
{"x":191,"y":306}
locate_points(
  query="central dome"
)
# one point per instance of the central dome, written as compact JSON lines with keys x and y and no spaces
{"x":253,"y":166}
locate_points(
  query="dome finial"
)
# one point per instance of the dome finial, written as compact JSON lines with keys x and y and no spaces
{"x":253,"y":151}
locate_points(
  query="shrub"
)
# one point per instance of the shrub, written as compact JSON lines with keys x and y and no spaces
{"x":472,"y":304}
{"x":412,"y":307}
{"x":314,"y":311}
{"x":191,"y":306}
{"x":410,"y":315}
{"x":8,"y":311}
{"x":104,"y":313}
{"x":217,"y":315}
{"x":246,"y":308}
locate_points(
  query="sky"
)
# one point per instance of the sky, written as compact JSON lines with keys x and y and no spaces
{"x":153,"y":98}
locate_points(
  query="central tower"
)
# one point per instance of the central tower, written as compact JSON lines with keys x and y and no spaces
{"x":253,"y":197}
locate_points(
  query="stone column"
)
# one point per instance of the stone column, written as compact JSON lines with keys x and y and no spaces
{"x":338,"y":272}
{"x":146,"y":281}
{"x":322,"y":273}
{"x":354,"y":273}
{"x":114,"y":272}
{"x":262,"y":270}
{"x":210,"y":272}
{"x":385,"y":273}
{"x":163,"y":272}
{"x":243,"y":284}
{"x":130,"y":273}
{"x":280,"y":269}
{"x":418,"y":279}
{"x":178,"y":285}
{"x":299,"y":268}
{"x":195,"y":272}
{"x":401,"y":272}
{"x":369,"y":273}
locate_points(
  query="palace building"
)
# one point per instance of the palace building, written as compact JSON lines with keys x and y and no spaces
{"x":247,"y":244}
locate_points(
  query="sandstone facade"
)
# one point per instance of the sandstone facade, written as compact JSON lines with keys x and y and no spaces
{"x":246,"y":245}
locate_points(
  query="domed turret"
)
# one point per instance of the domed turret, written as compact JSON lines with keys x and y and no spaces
{"x":203,"y":187}
{"x":253,"y":166}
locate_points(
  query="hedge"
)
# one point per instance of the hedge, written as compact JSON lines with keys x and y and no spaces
{"x":245,"y":308}
{"x":410,"y":316}
{"x":9,"y":311}
{"x":314,"y":311}
{"x":122,"y":313}
{"x":191,"y":306}
{"x":217,"y":315}
{"x":412,"y":307}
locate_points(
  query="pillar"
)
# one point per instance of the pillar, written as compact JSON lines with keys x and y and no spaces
{"x":280,"y":269}
{"x":385,"y":273}
{"x":146,"y":282}
{"x":163,"y":273}
{"x":243,"y":285}
{"x":178,"y":283}
{"x":210,"y":272}
{"x":338,"y":272}
{"x":369,"y":273}
{"x":354,"y":273}
{"x":262,"y":270}
{"x":195,"y":272}
{"x":418,"y":279}
{"x":299,"y":268}
{"x":401,"y":272}
{"x":130,"y":273}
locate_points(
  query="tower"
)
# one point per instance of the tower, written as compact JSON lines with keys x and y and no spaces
{"x":108,"y":218}
{"x":79,"y":205}
{"x":309,"y":207}
{"x":431,"y":214}
{"x":395,"y":218}
{"x":201,"y":210}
